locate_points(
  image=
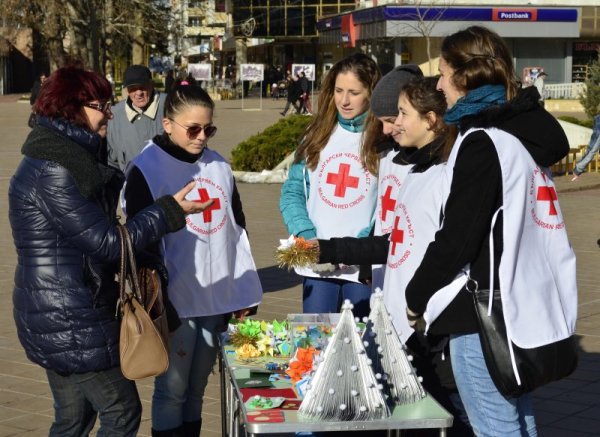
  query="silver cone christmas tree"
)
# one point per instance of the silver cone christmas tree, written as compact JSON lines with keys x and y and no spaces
{"x":344,"y":386}
{"x":392,"y":365}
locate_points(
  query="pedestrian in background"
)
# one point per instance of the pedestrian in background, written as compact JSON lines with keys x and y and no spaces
{"x":210,"y":266}
{"x":331,"y":190}
{"x":169,"y":80}
{"x":136,"y":119}
{"x":592,"y":149}
{"x":305,"y":93}
{"x":63,"y":215}
{"x":498,"y":227}
{"x":293,"y":95}
{"x":35,"y":90}
{"x":539,"y":84}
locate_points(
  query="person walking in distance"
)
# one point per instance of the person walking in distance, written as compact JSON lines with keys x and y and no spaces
{"x":539,"y":84}
{"x":592,"y":149}
{"x":293,"y":95}
{"x":136,"y":119}
{"x":211,"y":270}
{"x":305,"y":93}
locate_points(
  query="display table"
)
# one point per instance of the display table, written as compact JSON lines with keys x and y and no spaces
{"x":426,"y":413}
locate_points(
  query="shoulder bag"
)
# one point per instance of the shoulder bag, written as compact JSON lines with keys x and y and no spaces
{"x":143,"y":343}
{"x":531,"y":368}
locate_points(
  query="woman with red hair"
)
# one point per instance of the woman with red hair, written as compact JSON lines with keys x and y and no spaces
{"x":62,"y":210}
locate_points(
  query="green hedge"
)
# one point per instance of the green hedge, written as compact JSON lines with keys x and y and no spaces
{"x":265,"y":150}
{"x":585,"y":123}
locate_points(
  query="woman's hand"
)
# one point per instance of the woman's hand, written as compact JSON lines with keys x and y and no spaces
{"x":190,"y":206}
{"x":412,"y":317}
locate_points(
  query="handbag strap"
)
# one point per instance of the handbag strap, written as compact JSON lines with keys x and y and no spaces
{"x":492,"y":264}
{"x":128,"y":267}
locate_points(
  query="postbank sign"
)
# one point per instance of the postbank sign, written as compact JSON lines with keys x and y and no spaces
{"x":513,"y":14}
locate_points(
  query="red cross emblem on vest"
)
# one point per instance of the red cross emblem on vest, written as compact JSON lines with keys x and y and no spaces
{"x":342,"y":180}
{"x":387,"y":203}
{"x":397,"y":236}
{"x":204,"y":197}
{"x":547,"y":193}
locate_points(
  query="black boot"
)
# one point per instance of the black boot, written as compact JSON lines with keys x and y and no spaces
{"x":192,"y":429}
{"x":175,"y":432}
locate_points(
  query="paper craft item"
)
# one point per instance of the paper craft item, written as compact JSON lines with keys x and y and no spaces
{"x":254,"y":382}
{"x":263,"y":403}
{"x":291,"y":404}
{"x":399,"y":378}
{"x":287,"y":393}
{"x":265,"y":416}
{"x":296,"y":252}
{"x":344,"y":386}
{"x":311,"y":330}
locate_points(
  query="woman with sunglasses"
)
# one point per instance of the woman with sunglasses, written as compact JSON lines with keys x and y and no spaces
{"x":62,"y":209}
{"x":210,"y":266}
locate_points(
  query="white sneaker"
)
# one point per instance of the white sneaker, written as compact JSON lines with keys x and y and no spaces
{"x":575,"y":177}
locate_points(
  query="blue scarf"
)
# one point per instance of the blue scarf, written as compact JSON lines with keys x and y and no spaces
{"x":476,"y":101}
{"x":88,"y":140}
{"x":354,"y":124}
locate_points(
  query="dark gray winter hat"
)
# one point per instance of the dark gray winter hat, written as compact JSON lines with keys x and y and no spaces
{"x":384,"y":99}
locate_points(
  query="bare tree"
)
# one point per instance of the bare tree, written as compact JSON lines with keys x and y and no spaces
{"x":93,"y":31}
{"x":427,"y":15}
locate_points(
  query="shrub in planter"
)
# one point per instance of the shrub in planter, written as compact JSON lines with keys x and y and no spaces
{"x":265,"y":150}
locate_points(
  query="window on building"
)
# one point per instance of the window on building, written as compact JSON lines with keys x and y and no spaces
{"x":194,"y":21}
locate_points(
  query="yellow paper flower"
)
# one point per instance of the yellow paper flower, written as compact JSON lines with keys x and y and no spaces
{"x":247,"y":351}
{"x":265,"y":346}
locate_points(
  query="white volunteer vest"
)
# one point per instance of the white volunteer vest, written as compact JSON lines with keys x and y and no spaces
{"x":211,"y":270}
{"x":342,"y":196}
{"x":390,"y":179}
{"x":416,"y":220}
{"x":537,"y":270}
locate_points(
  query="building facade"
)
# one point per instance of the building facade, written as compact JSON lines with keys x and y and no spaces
{"x":560,"y":40}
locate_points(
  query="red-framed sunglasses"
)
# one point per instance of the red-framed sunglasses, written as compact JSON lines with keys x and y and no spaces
{"x":194,"y":131}
{"x":104,"y":107}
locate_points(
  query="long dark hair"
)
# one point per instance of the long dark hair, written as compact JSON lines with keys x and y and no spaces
{"x":66,"y":90}
{"x":321,"y":128}
{"x":423,"y":95}
{"x":480,"y":57}
{"x":182,"y":96}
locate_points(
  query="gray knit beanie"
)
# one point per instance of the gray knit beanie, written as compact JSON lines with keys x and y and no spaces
{"x":384,"y":99}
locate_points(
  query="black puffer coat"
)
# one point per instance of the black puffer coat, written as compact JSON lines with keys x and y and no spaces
{"x":62,"y":210}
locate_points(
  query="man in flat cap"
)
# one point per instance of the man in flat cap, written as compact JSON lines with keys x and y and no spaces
{"x":136,"y":119}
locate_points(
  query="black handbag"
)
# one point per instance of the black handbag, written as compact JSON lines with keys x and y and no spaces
{"x":536,"y":366}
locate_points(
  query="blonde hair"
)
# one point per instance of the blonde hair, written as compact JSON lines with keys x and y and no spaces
{"x":323,"y":124}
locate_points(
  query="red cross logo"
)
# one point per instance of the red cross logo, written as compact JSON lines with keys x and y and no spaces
{"x":547,"y":193}
{"x":342,"y":180}
{"x":204,"y":197}
{"x":387,"y":203}
{"x":397,"y":236}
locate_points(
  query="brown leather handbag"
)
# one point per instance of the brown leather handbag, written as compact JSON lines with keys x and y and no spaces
{"x":143,"y":344}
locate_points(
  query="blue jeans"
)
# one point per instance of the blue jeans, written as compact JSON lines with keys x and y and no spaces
{"x":193,"y":351}
{"x":327,"y":295}
{"x":490,"y":413}
{"x":79,"y":398}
